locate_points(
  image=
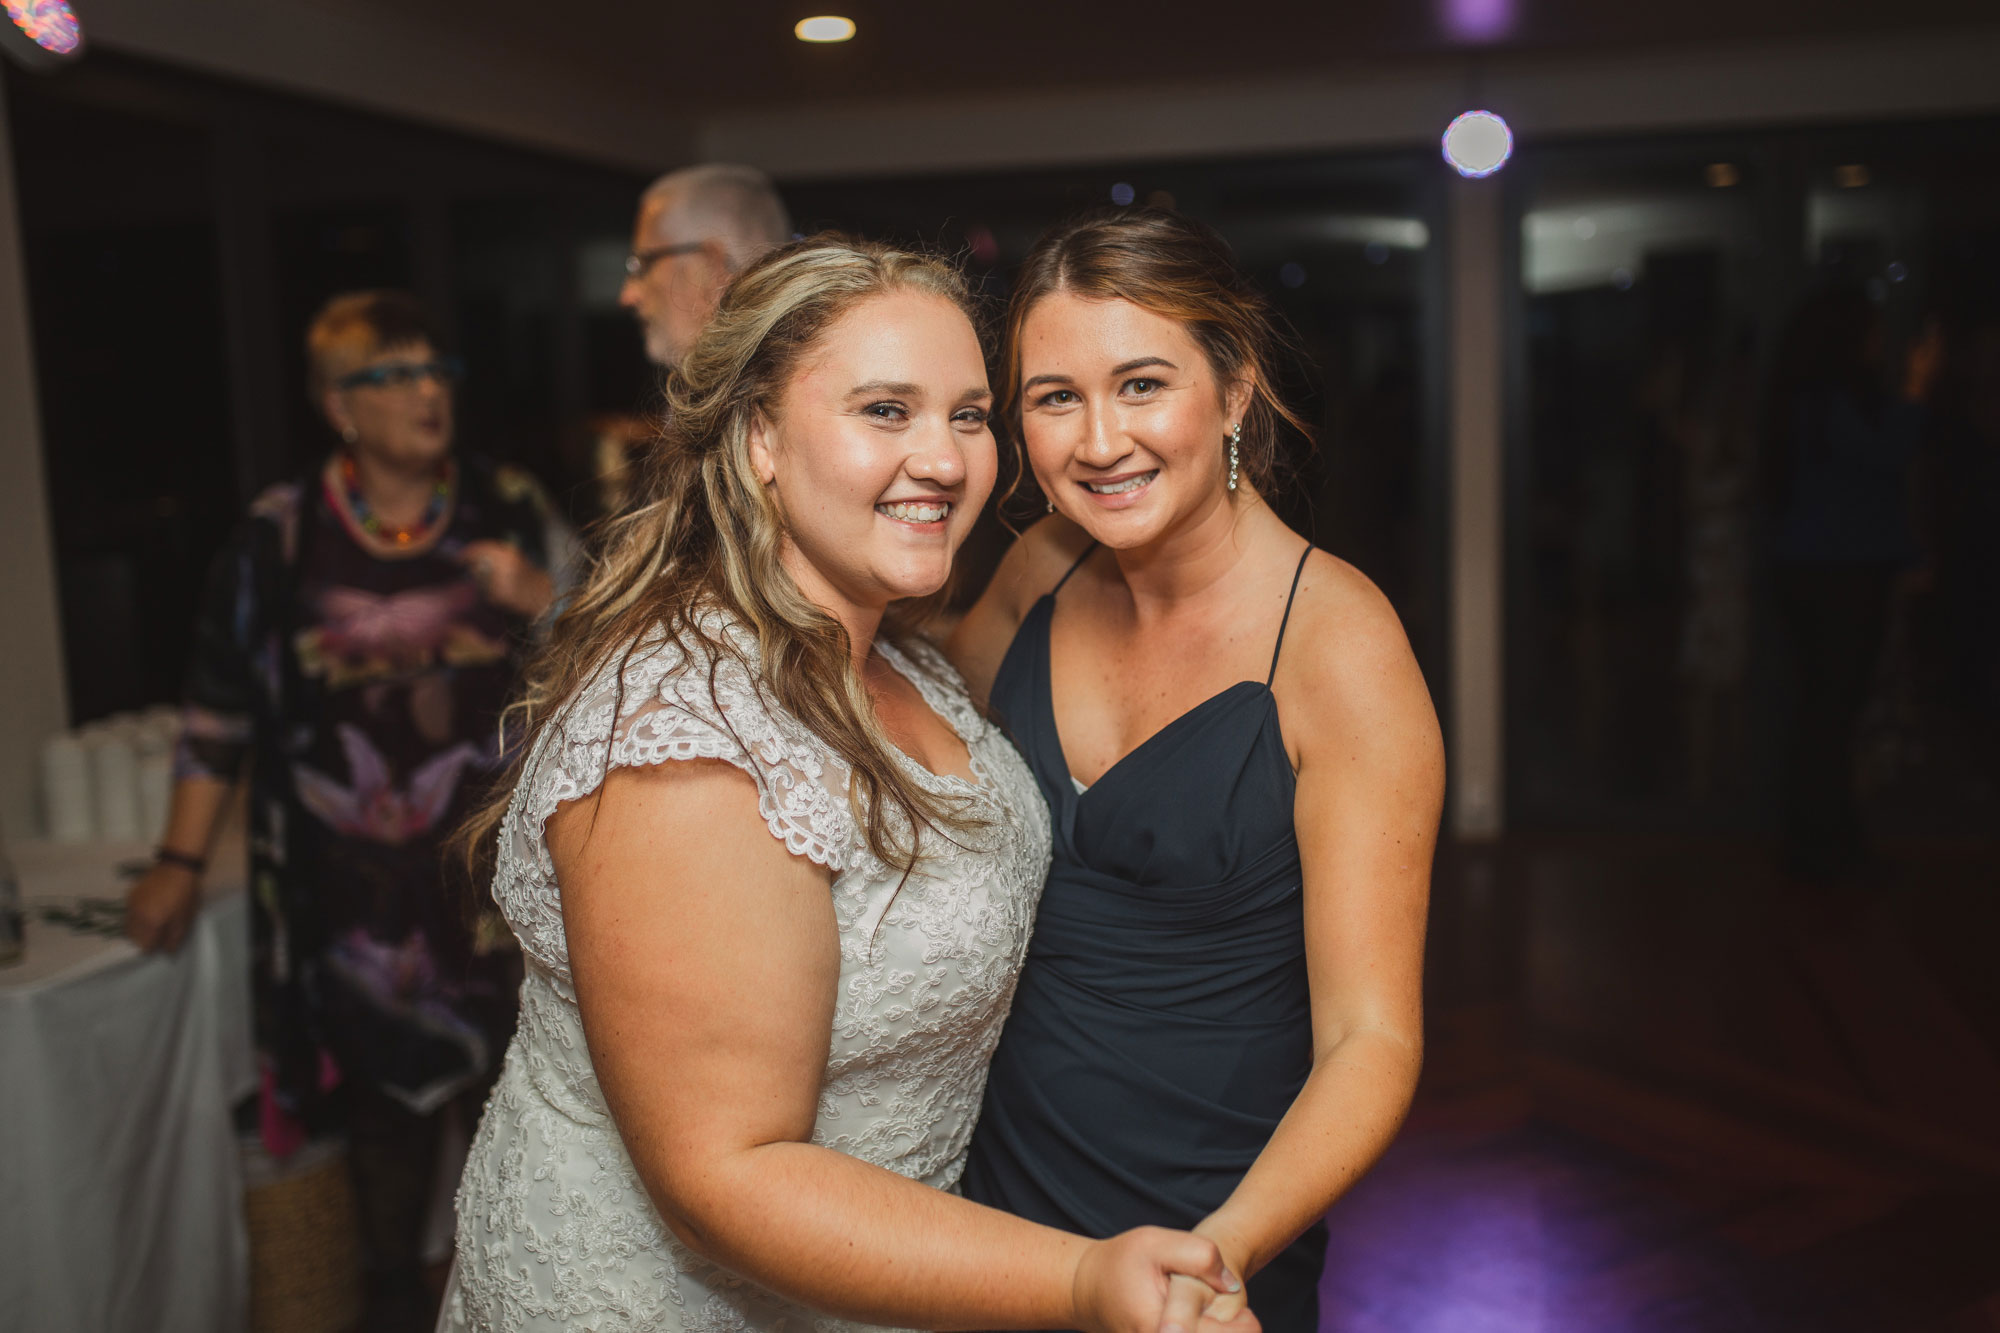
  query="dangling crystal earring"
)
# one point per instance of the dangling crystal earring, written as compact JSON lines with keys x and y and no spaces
{"x":1235,"y":439}
{"x":1052,"y":506}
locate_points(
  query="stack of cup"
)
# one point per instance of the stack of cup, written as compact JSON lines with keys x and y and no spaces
{"x":155,"y":748}
{"x":114,"y":779}
{"x":66,"y":790}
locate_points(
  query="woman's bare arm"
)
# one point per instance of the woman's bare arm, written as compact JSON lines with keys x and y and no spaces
{"x":1370,"y":790}
{"x":706,"y":960}
{"x":161,"y":904}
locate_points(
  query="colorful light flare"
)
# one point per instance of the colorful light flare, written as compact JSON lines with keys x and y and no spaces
{"x":50,"y":24}
{"x":1477,"y":144}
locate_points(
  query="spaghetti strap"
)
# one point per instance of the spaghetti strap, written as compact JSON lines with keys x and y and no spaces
{"x":1072,"y":569}
{"x":1296,"y":574}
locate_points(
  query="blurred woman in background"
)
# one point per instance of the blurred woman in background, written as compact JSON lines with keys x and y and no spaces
{"x":357,"y":641}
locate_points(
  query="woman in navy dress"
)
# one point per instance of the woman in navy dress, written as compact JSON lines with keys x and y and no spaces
{"x":1219,"y":1023}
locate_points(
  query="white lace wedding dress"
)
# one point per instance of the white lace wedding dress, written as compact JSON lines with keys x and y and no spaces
{"x":555,"y":1230}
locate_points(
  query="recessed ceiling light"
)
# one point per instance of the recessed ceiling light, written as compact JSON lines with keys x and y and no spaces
{"x":824,"y":28}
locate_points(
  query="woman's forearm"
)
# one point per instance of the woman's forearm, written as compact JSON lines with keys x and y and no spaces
{"x":1341,"y":1122}
{"x":194,"y":812}
{"x":161,"y":904}
{"x":860,"y":1242}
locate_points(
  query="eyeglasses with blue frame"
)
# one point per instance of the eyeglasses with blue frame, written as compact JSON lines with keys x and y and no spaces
{"x":446,"y":370}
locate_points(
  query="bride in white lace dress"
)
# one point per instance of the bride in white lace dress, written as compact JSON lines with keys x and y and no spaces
{"x":773,"y":874}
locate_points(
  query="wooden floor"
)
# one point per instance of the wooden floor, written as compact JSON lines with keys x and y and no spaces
{"x":1667,"y":1089}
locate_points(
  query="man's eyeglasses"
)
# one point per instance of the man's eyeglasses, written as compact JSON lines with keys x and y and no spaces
{"x":639,"y":261}
{"x":402,"y":374}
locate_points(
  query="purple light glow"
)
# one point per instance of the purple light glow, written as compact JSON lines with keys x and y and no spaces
{"x":1437,"y":1242}
{"x":1478,"y":20}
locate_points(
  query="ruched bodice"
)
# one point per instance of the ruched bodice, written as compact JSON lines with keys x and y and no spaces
{"x":1162,"y":1026}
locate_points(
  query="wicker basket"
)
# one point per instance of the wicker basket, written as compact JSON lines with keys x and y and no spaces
{"x":305,"y":1240}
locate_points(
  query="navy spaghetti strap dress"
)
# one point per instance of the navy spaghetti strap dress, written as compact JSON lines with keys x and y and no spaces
{"x":1161,"y":1027}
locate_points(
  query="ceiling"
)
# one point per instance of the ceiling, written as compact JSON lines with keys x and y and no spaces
{"x":727,"y":54}
{"x":938,"y":86}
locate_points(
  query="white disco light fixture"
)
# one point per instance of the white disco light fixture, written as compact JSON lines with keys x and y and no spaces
{"x":1478,"y":144}
{"x":41,"y":33}
{"x":824,"y":28}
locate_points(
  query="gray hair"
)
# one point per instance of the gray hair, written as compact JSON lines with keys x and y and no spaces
{"x":722,"y":201}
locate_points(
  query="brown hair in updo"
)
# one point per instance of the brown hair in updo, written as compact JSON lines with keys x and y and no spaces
{"x":1176,"y":267}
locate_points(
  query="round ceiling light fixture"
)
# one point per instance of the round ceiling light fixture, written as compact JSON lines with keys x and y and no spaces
{"x":1477,"y":144}
{"x":824,"y":28}
{"x":41,"y":33}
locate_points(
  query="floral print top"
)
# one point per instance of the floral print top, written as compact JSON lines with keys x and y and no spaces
{"x":364,"y":692}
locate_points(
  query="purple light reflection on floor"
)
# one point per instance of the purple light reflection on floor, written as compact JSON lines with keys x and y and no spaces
{"x":1426,"y":1246}
{"x":1664,"y":1094}
{"x":1529,"y":1229}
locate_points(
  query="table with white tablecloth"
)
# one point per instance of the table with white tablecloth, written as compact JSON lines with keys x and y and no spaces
{"x":121,"y":1186}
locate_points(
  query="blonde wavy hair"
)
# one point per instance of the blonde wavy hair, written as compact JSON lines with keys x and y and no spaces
{"x":704,"y":532}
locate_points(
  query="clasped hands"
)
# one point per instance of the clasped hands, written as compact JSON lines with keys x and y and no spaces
{"x":1195,"y":1307}
{"x":1152,"y":1280}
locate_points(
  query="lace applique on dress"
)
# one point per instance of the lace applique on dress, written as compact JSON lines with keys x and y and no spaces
{"x":554,"y":1228}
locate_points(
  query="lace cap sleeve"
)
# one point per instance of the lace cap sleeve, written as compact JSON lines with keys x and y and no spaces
{"x":665,"y":701}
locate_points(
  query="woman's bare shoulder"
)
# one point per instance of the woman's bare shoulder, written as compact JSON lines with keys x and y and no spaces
{"x":1347,"y":661}
{"x":1334,"y":592}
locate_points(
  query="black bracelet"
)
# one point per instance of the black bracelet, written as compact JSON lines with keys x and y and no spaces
{"x":185,"y":860}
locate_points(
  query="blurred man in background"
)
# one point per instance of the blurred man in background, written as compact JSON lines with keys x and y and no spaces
{"x":696,"y":230}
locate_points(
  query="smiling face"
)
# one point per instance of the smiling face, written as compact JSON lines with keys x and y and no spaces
{"x":407,"y":423}
{"x":1124,"y":419}
{"x":879,"y":453}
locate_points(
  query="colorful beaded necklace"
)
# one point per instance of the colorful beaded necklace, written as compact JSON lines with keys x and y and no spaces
{"x":367,"y":520}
